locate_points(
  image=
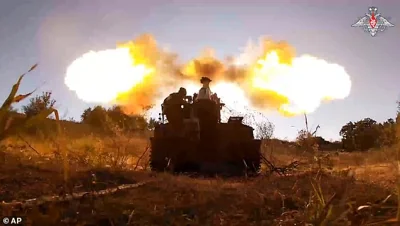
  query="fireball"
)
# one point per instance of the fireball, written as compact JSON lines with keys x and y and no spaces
{"x":100,"y":77}
{"x":300,"y":85}
{"x":137,"y":75}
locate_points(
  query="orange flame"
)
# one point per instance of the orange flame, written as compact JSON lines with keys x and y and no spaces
{"x":137,"y":74}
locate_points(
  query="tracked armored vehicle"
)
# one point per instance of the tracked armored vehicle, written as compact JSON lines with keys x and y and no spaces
{"x":205,"y":145}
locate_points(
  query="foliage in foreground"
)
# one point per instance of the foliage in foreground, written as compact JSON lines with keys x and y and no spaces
{"x":8,"y":128}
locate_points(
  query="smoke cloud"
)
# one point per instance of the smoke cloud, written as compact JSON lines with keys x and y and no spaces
{"x":269,"y":74}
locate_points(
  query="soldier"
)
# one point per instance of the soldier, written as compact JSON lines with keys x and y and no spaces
{"x":172,"y":108}
{"x":206,"y":111}
{"x":205,"y":92}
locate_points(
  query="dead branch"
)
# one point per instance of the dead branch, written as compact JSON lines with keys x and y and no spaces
{"x":315,"y":131}
{"x":69,"y":197}
{"x":141,"y":156}
{"x":29,"y":145}
{"x":282,"y":171}
{"x":306,"y":121}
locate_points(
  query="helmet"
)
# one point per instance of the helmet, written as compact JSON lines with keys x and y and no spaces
{"x":182,"y":91}
{"x":205,"y":79}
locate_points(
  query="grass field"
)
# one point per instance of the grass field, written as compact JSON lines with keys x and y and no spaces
{"x":330,"y":189}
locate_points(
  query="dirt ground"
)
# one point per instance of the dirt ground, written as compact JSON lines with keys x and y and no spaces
{"x":181,"y":200}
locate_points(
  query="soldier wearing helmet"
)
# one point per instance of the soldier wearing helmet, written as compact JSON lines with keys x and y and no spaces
{"x":205,"y":92}
{"x":206,"y":110}
{"x":173,"y":107}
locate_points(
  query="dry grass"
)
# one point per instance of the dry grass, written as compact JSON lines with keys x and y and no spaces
{"x":180,"y":200}
{"x":90,"y":151}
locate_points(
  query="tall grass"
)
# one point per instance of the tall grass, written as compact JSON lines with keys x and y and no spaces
{"x":8,"y":128}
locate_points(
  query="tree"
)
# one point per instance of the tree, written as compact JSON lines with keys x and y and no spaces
{"x":118,"y":116}
{"x":361,"y":135}
{"x":367,"y":133}
{"x":95,"y":117}
{"x":113,"y":117}
{"x":86,"y":114}
{"x":348,"y":136}
{"x":126,"y":121}
{"x":264,"y":129}
{"x":387,"y":135}
{"x":38,"y":104}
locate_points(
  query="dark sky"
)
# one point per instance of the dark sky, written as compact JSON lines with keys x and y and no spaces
{"x":55,"y":32}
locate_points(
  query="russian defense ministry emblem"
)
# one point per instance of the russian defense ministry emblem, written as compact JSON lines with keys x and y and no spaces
{"x":373,"y":22}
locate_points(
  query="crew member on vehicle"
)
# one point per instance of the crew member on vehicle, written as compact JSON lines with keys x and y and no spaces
{"x":206,"y":110}
{"x":205,"y":92}
{"x":172,"y":107}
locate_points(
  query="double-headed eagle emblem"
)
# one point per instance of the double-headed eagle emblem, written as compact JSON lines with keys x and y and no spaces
{"x":373,"y":22}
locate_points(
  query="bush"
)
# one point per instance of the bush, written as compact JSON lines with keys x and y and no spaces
{"x":367,"y":134}
{"x":95,"y":117}
{"x":107,"y":119}
{"x":38,"y":104}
